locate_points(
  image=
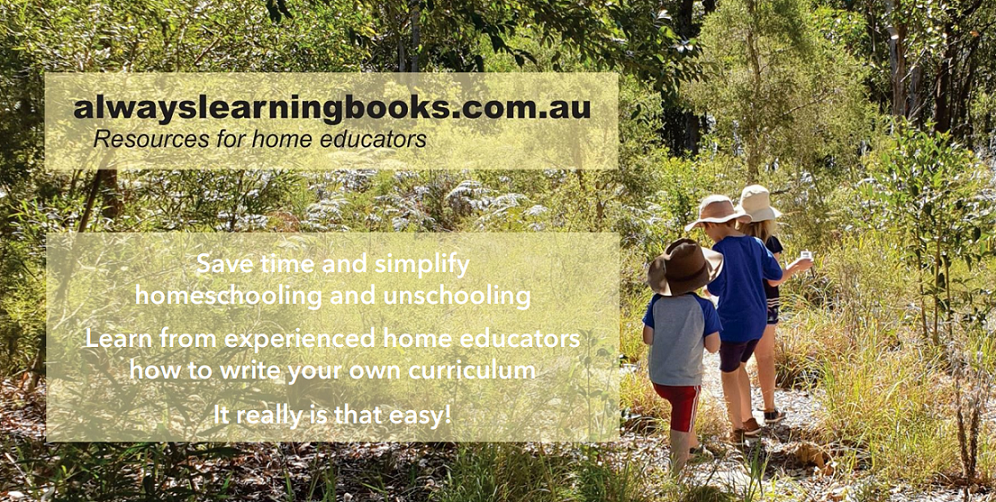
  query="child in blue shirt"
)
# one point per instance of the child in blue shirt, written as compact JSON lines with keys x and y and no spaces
{"x":677,"y":326}
{"x":742,"y":303}
{"x":755,"y":200}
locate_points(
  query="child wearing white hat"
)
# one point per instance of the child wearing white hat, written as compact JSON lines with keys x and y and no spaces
{"x":755,"y":200}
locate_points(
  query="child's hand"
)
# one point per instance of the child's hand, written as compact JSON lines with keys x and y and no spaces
{"x":802,"y":264}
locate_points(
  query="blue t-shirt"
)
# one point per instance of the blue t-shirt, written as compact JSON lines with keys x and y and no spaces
{"x":743,"y":306}
{"x":712,"y":322}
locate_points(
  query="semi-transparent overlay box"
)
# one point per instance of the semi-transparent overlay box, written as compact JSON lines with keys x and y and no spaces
{"x":321,"y":121}
{"x":254,"y":354}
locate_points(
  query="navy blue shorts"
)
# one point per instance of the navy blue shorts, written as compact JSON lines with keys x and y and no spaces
{"x":773,"y":314}
{"x":774,"y":307}
{"x":733,"y":354}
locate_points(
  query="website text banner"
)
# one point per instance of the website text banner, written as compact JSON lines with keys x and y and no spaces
{"x":323,"y":121}
{"x":333,"y":337}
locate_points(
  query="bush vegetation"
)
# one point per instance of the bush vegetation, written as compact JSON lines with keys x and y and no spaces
{"x":871,"y":122}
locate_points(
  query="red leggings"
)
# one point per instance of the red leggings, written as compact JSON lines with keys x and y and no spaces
{"x":684,"y":400}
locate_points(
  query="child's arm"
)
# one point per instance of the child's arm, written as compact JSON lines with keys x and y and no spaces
{"x":800,"y":265}
{"x":771,"y":269}
{"x":712,"y":326}
{"x":712,"y":342}
{"x":648,"y":322}
{"x":717,"y":286}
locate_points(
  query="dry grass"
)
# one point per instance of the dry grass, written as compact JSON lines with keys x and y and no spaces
{"x":631,"y":330}
{"x":892,"y":403}
{"x":886,"y":393}
{"x":637,"y":394}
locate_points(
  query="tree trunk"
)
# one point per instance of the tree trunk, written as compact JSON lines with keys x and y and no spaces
{"x":692,"y":133}
{"x":109,"y":193}
{"x":938,"y":266}
{"x":961,"y":126}
{"x":416,"y":13}
{"x":897,"y":60}
{"x":683,"y":21}
{"x":914,"y":110}
{"x":91,"y":198}
{"x":402,"y":59}
{"x":686,"y":30}
{"x":99,"y":180}
{"x":942,"y":90}
{"x":752,"y":128}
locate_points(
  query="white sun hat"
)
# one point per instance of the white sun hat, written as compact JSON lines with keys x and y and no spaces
{"x":755,"y":200}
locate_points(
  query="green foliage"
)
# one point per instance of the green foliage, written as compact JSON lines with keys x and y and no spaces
{"x":503,"y":473}
{"x":508,"y":472}
{"x":784,"y":98}
{"x":22,"y":316}
{"x":885,"y":404}
{"x":177,"y":35}
{"x":981,"y":114}
{"x":172,"y":35}
{"x":934,"y":194}
{"x":414,"y":36}
{"x":126,"y":472}
{"x":789,"y":92}
{"x":843,"y":28}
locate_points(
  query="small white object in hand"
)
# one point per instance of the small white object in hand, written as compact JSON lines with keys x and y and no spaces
{"x":806,"y":255}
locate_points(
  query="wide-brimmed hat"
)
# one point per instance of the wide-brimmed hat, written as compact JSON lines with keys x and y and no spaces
{"x":718,"y":209}
{"x":755,"y":200}
{"x":685,"y":266}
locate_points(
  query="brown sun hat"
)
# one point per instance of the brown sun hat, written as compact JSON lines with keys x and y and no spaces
{"x":718,"y":209}
{"x":755,"y":200}
{"x":684,"y":267}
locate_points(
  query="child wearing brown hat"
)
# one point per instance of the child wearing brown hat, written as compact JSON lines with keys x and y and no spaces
{"x":755,"y":200}
{"x":677,"y":325}
{"x":742,"y":304}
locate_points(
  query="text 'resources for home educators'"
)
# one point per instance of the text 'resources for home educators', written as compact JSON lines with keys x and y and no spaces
{"x":324,"y":121}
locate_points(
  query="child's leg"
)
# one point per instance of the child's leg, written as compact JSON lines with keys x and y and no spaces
{"x":745,"y":397}
{"x":730,"y":355}
{"x":684,"y":401}
{"x":746,"y":412}
{"x":683,"y":409}
{"x":693,"y":440}
{"x":731,"y":394}
{"x":679,"y":451}
{"x":765,"y":356}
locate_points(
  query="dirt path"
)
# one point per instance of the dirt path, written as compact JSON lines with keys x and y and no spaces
{"x":785,"y":453}
{"x":261,"y":468}
{"x":774,"y":452}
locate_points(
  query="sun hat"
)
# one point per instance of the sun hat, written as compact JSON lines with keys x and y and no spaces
{"x":685,"y":266}
{"x":718,"y":209}
{"x":755,"y":200}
